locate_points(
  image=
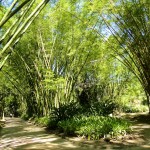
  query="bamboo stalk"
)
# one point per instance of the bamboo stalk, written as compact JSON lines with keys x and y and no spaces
{"x":10,"y":14}
{"x":24,"y":27}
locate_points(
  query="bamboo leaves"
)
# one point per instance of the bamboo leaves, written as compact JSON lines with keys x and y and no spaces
{"x":18,"y":29}
{"x":62,"y":58}
{"x":130,"y":28}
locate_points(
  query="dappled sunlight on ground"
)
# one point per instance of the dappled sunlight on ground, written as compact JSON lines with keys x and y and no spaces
{"x":20,"y":135}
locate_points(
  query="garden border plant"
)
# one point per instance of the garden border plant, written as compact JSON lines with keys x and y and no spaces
{"x":95,"y":127}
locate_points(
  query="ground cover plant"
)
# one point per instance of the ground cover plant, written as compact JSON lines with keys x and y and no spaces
{"x":91,"y":123}
{"x":95,"y":127}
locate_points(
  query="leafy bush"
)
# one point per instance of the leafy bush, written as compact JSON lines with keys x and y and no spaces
{"x":43,"y":121}
{"x":52,"y":124}
{"x":68,"y":111}
{"x":104,"y":107}
{"x":47,"y":122}
{"x":94,"y":127}
{"x":25,"y":116}
{"x":65,"y":111}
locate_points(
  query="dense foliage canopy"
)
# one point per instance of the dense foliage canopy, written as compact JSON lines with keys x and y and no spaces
{"x":61,"y":57}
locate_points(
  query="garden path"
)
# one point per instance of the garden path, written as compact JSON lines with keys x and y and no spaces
{"x":20,"y":135}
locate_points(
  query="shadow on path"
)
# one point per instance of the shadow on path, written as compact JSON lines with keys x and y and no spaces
{"x":20,"y":135}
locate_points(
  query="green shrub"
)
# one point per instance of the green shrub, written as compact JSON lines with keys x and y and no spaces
{"x":47,"y":122}
{"x":68,"y":111}
{"x":65,"y":111}
{"x":25,"y":116}
{"x":104,"y":107}
{"x":43,"y":121}
{"x":94,"y":127}
{"x":52,"y":124}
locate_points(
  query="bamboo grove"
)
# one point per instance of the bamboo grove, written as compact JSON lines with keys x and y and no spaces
{"x":57,"y":52}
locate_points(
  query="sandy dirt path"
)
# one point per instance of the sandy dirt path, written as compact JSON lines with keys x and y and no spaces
{"x":21,"y":135}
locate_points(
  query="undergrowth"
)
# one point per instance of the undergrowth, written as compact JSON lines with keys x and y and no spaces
{"x":94,"y":127}
{"x":92,"y":123}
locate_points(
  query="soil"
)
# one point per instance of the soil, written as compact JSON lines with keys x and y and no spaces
{"x":20,"y":135}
